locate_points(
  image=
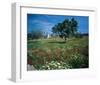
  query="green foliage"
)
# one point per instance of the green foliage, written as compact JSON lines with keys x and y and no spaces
{"x":51,"y":54}
{"x":78,"y":61}
{"x":66,"y":28}
{"x":34,"y":35}
{"x":78,"y":35}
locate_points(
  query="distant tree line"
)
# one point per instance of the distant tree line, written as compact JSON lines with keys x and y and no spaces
{"x":37,"y":35}
{"x":34,"y":35}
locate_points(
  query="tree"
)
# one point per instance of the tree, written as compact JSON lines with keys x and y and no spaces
{"x":35,"y":35}
{"x":29,"y":36}
{"x":74,"y":26}
{"x":55,"y":30}
{"x":66,"y":28}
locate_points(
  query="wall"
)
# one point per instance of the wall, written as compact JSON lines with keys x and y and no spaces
{"x":5,"y":41}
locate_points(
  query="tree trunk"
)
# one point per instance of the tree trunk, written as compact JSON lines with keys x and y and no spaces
{"x":65,"y":39}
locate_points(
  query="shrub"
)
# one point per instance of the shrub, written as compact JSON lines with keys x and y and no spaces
{"x":78,"y":61}
{"x":78,"y":35}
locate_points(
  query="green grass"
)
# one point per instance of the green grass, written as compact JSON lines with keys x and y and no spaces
{"x":44,"y":54}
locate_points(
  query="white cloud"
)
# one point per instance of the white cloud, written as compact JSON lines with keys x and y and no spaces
{"x":44,"y":25}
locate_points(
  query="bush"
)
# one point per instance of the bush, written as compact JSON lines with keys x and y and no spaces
{"x":78,"y":61}
{"x":45,"y":61}
{"x":78,"y":35}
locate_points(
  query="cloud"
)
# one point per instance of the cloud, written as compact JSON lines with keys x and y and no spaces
{"x":45,"y":26}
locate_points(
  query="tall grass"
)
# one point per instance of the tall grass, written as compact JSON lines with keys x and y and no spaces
{"x":47,"y":54}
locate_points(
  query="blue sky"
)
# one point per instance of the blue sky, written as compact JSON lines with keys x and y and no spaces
{"x":45,"y":23}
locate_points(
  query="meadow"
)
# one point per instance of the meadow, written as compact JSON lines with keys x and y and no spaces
{"x":55,"y":53}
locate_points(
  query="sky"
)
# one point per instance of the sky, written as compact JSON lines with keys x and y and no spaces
{"x":44,"y":23}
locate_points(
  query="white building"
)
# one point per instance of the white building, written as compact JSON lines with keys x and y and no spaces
{"x":48,"y":35}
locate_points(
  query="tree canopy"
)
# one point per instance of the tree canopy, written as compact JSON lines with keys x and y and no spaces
{"x":66,"y":28}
